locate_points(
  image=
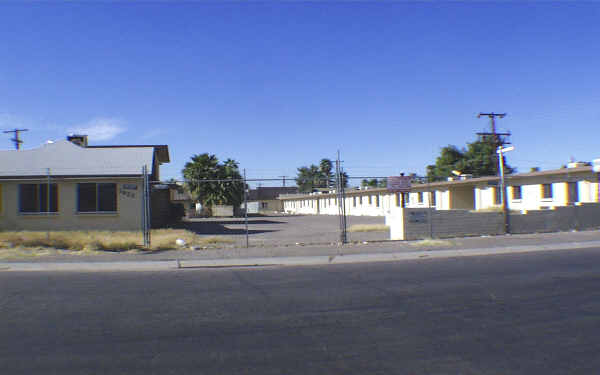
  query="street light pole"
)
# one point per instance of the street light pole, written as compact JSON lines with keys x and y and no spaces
{"x":500,"y":151}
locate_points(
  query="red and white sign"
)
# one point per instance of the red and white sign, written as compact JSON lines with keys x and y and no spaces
{"x":398,"y":184}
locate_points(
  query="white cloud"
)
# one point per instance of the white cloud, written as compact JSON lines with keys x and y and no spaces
{"x":153,"y":133}
{"x":100,"y":129}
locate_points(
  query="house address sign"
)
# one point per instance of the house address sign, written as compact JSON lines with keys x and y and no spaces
{"x":126,"y":190}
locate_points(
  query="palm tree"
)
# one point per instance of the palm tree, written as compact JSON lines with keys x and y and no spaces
{"x":325,"y":168}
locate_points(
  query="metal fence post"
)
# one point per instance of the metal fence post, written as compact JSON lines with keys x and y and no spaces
{"x":246,"y":209}
{"x":341,"y":200}
{"x":145,"y":207}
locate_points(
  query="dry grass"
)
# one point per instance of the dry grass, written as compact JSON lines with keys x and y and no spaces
{"x":162,"y":239}
{"x":369,"y":228}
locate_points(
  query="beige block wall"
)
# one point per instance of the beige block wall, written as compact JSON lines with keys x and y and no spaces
{"x":128,"y":216}
{"x":416,"y":223}
{"x":412,"y":223}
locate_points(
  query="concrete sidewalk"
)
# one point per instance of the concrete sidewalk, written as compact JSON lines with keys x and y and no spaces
{"x":311,"y":255}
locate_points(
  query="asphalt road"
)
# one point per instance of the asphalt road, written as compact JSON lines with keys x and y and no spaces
{"x":511,"y":314}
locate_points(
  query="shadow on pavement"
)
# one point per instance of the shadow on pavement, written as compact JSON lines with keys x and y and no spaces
{"x":218,"y":227}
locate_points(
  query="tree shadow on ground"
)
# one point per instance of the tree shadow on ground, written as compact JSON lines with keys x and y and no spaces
{"x":219,"y":228}
{"x":232,"y":221}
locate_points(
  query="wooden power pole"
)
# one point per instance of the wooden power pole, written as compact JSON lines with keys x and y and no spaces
{"x":498,"y":138}
{"x":17,"y":140}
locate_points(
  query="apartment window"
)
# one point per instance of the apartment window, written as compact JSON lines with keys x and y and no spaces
{"x":547,"y":191}
{"x":517,"y":193}
{"x":353,"y":201}
{"x":406,"y":199}
{"x":33,"y":198}
{"x":497,"y":195}
{"x":573,"y":192}
{"x":420,"y":197}
{"x":94,"y":197}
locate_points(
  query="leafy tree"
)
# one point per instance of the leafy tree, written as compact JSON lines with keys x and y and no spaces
{"x":213,"y":183}
{"x":478,"y":159}
{"x":374,"y":182}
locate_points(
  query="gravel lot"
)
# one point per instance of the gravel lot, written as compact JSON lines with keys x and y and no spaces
{"x":288,"y":229}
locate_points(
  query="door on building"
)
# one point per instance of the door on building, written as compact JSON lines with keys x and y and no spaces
{"x":573,"y":192}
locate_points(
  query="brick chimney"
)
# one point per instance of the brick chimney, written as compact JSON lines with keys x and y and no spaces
{"x":78,"y":139}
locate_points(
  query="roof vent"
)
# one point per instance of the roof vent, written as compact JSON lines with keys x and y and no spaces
{"x":577,"y":164}
{"x":78,"y":139}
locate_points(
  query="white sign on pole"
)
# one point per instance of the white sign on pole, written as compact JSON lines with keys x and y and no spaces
{"x":504,"y":149}
{"x":398,"y":184}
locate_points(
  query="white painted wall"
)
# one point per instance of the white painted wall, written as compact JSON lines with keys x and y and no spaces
{"x":357,"y":202}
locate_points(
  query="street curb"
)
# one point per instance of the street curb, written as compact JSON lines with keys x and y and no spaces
{"x":382,"y":257}
{"x":287,"y":261}
{"x":90,"y":266}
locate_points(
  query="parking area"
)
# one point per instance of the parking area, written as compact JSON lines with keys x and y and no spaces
{"x":281,"y":230}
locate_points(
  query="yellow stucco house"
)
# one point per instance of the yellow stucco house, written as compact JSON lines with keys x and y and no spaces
{"x":69,"y":185}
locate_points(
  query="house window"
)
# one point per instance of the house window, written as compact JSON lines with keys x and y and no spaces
{"x":264,"y":205}
{"x":353,"y":201}
{"x":370,"y":200}
{"x":398,"y":199}
{"x":377,"y":200}
{"x":547,"y":191}
{"x":33,"y":198}
{"x":360,"y":200}
{"x":497,"y":195}
{"x":420,"y":197}
{"x":517,"y":193}
{"x":92,"y":197}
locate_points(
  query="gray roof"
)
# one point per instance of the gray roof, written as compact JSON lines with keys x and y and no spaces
{"x":67,"y":159}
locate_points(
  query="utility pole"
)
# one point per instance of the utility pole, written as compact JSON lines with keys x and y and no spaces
{"x":17,"y":140}
{"x":498,"y":138}
{"x":283,"y":179}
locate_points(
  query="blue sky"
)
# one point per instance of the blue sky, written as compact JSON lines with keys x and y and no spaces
{"x":278,"y":85}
